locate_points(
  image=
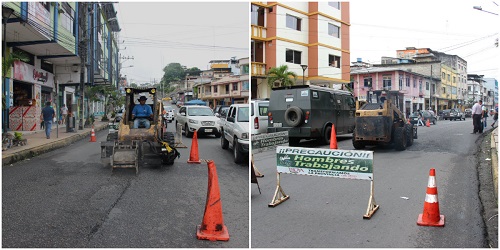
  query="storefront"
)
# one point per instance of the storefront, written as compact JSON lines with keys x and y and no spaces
{"x":31,"y":88}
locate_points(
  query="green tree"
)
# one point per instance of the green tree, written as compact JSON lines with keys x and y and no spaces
{"x":112,"y":97}
{"x":172,"y":72}
{"x":281,"y":75}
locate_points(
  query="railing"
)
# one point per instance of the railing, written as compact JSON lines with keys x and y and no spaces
{"x":258,"y":32}
{"x":258,"y":69}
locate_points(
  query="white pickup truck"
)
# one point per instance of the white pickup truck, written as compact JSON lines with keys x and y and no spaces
{"x":235,"y":128}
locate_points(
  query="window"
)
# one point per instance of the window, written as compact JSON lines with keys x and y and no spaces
{"x":254,"y":14}
{"x":227,"y":88}
{"x":334,"y":61}
{"x":427,"y":85}
{"x":31,"y":57}
{"x":443,"y":76}
{"x":454,"y":79}
{"x":46,"y":5}
{"x":293,"y":56}
{"x":315,"y":94}
{"x":444,"y":90}
{"x":235,"y":86}
{"x":335,"y":5}
{"x":414,"y":82}
{"x":333,"y":30}
{"x":244,"y":69}
{"x":387,"y":82}
{"x":49,"y":67}
{"x":293,"y":22}
{"x":448,"y":77}
{"x":67,"y":17}
{"x":368,"y":81}
{"x":401,"y":82}
{"x":215,"y":89}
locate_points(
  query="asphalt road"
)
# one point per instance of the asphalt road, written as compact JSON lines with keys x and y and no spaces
{"x":327,"y":212}
{"x":69,"y":198}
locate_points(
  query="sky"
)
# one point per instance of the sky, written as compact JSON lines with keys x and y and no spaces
{"x":190,"y":33}
{"x":379,"y":28}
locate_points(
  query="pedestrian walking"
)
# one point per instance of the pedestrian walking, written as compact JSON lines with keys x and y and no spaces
{"x":494,"y":113}
{"x":48,"y":115}
{"x":477,"y":116}
{"x":64,"y":112}
{"x":485,"y":116}
{"x":420,"y":119}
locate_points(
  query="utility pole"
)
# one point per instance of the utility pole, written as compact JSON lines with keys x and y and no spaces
{"x":83,"y":57}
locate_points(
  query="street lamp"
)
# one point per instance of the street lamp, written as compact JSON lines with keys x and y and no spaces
{"x":6,"y":12}
{"x":481,"y":9}
{"x":304,"y":67}
{"x":186,"y":87}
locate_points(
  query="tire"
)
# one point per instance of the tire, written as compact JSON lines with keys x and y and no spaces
{"x":292,"y":142}
{"x":186,"y":131}
{"x":293,"y":116}
{"x":409,"y":134}
{"x":434,"y":122}
{"x":357,"y":144}
{"x":217,"y":135}
{"x":399,"y":139}
{"x":169,"y":137}
{"x":224,"y":144}
{"x":327,"y":135}
{"x":238,"y":156}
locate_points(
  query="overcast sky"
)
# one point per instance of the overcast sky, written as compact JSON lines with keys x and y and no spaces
{"x":379,"y":28}
{"x":189,"y":33}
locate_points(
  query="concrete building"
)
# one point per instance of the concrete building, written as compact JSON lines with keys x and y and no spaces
{"x":50,"y":34}
{"x":491,"y":86}
{"x":311,"y":38}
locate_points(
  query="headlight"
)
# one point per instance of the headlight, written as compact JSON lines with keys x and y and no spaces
{"x":244,"y":136}
{"x":193,"y":121}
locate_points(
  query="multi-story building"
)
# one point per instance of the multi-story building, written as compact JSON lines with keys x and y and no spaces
{"x":311,"y":38}
{"x":50,"y":34}
{"x":490,"y":98}
{"x":415,"y":86}
{"x":474,"y":88}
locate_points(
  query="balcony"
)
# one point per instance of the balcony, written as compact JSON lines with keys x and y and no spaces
{"x":258,"y":33}
{"x":258,"y":69}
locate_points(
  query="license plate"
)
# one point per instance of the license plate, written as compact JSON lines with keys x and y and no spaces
{"x":277,"y":124}
{"x":208,"y":130}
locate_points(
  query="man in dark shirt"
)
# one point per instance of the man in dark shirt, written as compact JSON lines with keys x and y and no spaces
{"x":48,"y":114}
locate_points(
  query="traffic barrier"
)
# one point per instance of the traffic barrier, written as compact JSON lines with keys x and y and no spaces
{"x":333,"y":139}
{"x":212,"y":227}
{"x":431,"y":216}
{"x":92,"y":135}
{"x":193,"y":156}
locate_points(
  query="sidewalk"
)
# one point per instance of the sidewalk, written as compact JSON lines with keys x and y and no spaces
{"x":494,"y":159}
{"x":39,"y":144}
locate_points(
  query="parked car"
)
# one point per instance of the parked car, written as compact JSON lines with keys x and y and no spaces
{"x":454,"y":114}
{"x":199,"y":118}
{"x":218,"y":109}
{"x":235,"y":131}
{"x":444,"y":113}
{"x":258,"y":115}
{"x":468,"y":113}
{"x":169,"y":113}
{"x":426,"y":115}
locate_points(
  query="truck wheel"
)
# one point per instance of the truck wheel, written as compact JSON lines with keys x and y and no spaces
{"x":293,"y":116}
{"x":223,"y":142}
{"x":400,"y":139}
{"x":186,"y":131}
{"x":238,"y":156}
{"x":327,"y":135}
{"x":357,"y":144}
{"x":169,"y":137}
{"x":409,"y":134}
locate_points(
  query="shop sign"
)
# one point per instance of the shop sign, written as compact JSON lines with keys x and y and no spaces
{"x":28,"y":73}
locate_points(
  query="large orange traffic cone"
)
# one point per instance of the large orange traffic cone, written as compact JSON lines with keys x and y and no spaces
{"x":212,"y":227}
{"x":193,"y":156}
{"x":333,"y":139}
{"x":92,"y":135}
{"x":428,"y":123}
{"x":431,"y":216}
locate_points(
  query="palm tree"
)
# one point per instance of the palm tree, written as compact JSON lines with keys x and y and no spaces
{"x":281,"y":75}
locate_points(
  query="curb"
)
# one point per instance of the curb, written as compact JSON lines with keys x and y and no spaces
{"x":494,"y":160}
{"x":25,"y":154}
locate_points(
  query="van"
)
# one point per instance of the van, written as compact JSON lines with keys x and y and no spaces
{"x":258,"y":115}
{"x":308,"y":112}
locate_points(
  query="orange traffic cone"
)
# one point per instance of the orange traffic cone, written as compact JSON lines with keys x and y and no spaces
{"x":333,"y":139}
{"x":212,"y":227}
{"x":431,"y":216}
{"x":193,"y":156}
{"x":428,"y":123}
{"x":92,"y":135}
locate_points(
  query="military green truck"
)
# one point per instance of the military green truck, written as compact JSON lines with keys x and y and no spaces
{"x":308,"y":112}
